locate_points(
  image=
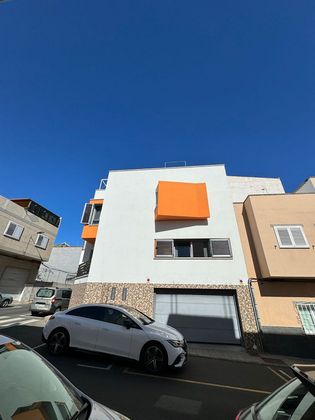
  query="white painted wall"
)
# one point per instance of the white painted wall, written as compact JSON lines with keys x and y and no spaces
{"x":242,"y":186}
{"x":307,"y":187}
{"x":124,"y":248}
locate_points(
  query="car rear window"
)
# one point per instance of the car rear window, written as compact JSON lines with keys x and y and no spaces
{"x":45,"y":293}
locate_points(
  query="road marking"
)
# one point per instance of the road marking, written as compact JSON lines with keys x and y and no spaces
{"x":285,"y":374}
{"x":96,"y":367}
{"x":189,"y":381}
{"x":16,"y":321}
{"x":4,"y":317}
{"x":278,"y":374}
{"x":11,"y":320}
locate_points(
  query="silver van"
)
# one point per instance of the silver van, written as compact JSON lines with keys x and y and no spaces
{"x":50,"y":300}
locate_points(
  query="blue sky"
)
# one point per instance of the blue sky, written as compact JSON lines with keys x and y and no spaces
{"x":88,"y":86}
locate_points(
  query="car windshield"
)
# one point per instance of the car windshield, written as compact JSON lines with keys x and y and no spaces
{"x":292,"y":402}
{"x":30,"y":389}
{"x":45,"y":293}
{"x":144,"y":319}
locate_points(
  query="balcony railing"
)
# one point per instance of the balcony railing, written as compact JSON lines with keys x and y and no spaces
{"x":84,"y":268}
{"x":103,"y":184}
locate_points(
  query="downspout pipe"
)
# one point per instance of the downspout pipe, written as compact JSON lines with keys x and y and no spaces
{"x":252,"y":298}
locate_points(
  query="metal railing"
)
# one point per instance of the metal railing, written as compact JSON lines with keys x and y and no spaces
{"x":103,"y":184}
{"x":83,"y":268}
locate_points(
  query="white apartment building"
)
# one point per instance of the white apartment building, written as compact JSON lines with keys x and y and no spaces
{"x":166,"y":241}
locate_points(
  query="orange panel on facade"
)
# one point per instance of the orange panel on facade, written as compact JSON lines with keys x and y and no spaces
{"x":181,"y":201}
{"x":96,"y":201}
{"x":89,"y":233}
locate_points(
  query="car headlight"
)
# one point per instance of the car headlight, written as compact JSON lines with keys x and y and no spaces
{"x":176,"y":343}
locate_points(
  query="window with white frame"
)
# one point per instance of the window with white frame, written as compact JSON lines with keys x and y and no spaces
{"x":193,"y":248}
{"x":91,"y":214}
{"x":14,"y":231}
{"x":307,"y":315}
{"x":291,"y":236}
{"x":41,"y":241}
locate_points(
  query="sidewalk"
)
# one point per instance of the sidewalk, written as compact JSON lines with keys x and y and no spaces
{"x":239,"y":354}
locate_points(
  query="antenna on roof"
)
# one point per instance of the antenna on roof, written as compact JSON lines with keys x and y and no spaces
{"x":175,"y":163}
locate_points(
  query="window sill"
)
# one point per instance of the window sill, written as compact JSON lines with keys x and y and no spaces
{"x":193,"y":258}
{"x":294,"y":247}
{"x":12,"y":237}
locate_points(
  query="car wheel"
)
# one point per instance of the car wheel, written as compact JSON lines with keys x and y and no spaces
{"x":5,"y":303}
{"x":58,"y":342}
{"x":34,"y":313}
{"x":154,"y":358}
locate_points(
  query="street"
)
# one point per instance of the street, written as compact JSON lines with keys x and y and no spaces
{"x":204,"y":389}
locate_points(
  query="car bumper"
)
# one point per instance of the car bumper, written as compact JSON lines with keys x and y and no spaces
{"x":177,"y":356}
{"x":181,"y":360}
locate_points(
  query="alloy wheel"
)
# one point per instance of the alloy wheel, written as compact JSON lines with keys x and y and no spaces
{"x":5,"y":304}
{"x":58,"y":342}
{"x":153,"y":359}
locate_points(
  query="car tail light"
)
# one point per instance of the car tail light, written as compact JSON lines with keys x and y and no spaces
{"x":238,"y":416}
{"x":53,"y":300}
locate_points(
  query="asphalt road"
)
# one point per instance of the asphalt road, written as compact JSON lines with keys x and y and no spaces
{"x":204,"y":389}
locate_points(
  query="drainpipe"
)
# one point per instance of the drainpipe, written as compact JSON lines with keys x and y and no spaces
{"x":252,"y":298}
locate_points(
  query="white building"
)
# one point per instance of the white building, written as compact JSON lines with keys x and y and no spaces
{"x":166,"y":241}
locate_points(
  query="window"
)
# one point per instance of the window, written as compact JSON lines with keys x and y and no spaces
{"x":91,"y":312}
{"x":291,"y":236}
{"x":201,"y":248}
{"x":220,"y":248}
{"x":95,"y":219}
{"x":91,"y":214}
{"x":164,"y":248}
{"x":66,"y":294}
{"x":116,"y":317}
{"x":113,"y":293}
{"x":182,"y":249}
{"x":193,"y":248}
{"x":14,"y":231}
{"x":307,"y":315}
{"x":86,"y":214}
{"x":45,"y":293}
{"x":124,"y":293}
{"x":41,"y":241}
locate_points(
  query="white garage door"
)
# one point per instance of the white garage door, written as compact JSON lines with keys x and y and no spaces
{"x":13,"y":281}
{"x":200,"y":318}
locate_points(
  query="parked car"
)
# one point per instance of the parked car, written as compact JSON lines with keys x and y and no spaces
{"x":294,"y":400}
{"x":50,"y":300}
{"x":117,"y":330}
{"x":32,"y":388}
{"x":5,"y":300}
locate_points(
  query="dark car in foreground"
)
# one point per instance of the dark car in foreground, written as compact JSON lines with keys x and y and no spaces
{"x":5,"y":300}
{"x":31,"y":388}
{"x":295,"y":400}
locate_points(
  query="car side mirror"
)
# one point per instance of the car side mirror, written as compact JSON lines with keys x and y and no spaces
{"x":128,"y":323}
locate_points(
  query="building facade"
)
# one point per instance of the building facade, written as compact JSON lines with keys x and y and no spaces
{"x":166,"y":241}
{"x":27,"y":234}
{"x":278,"y":237}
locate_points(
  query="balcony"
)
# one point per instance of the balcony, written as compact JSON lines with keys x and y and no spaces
{"x":84,"y":268}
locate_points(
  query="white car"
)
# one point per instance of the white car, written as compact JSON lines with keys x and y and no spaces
{"x":117,"y":330}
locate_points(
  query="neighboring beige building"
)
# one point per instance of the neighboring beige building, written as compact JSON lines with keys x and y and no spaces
{"x":278,"y":238}
{"x":27,"y":234}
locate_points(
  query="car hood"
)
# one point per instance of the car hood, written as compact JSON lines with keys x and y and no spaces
{"x":100,"y":412}
{"x":164,"y":331}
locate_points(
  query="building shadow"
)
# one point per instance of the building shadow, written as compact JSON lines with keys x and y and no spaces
{"x":165,"y":225}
